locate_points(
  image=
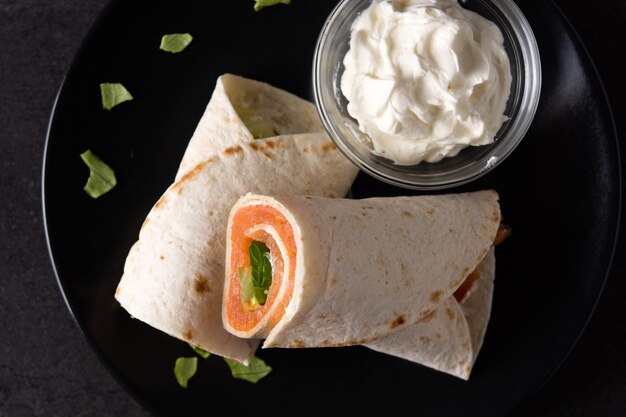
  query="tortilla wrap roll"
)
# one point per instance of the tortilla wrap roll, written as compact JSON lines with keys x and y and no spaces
{"x":242,"y":110}
{"x":449,"y":338}
{"x":173,"y":274}
{"x":350,"y":272}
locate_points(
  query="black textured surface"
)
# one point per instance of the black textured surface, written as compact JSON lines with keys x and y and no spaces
{"x":46,"y":368}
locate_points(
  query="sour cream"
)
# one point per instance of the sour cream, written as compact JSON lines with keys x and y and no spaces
{"x":425,"y":79}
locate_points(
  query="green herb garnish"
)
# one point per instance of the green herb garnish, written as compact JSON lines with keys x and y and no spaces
{"x":259,"y":4}
{"x":113,"y":94}
{"x":101,"y":177}
{"x":203,"y":353}
{"x":255,"y":371}
{"x":175,"y":42}
{"x":184,"y":369}
{"x":255,"y":280}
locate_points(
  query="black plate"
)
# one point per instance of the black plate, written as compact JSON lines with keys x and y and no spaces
{"x":560,"y":192}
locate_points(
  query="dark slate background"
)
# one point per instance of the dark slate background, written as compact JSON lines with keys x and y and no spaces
{"x":46,"y":366}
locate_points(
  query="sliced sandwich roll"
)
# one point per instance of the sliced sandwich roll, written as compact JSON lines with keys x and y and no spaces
{"x":347,"y":272}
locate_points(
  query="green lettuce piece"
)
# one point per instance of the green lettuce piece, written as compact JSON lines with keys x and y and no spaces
{"x":175,"y":42}
{"x":255,"y":281}
{"x":184,"y":369}
{"x":101,"y":177}
{"x":246,"y":289}
{"x":256,"y":370}
{"x":113,"y":94}
{"x":256,"y":124}
{"x":259,"y":4}
{"x":203,"y":353}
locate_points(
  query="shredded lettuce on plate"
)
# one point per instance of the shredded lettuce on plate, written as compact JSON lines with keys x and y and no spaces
{"x":101,"y":177}
{"x":175,"y":42}
{"x":203,"y":353}
{"x":185,"y":369}
{"x":113,"y":94}
{"x":256,"y":370}
{"x":259,"y":4}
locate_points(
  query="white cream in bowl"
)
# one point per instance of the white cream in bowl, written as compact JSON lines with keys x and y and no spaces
{"x":425,"y":79}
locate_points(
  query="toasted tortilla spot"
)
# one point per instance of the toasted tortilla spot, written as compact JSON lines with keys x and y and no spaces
{"x":267,"y":155}
{"x":233,"y":150}
{"x":333,"y":217}
{"x":201,"y":284}
{"x":196,"y":170}
{"x":407,"y":283}
{"x":430,"y":211}
{"x":438,"y":335}
{"x":407,"y":214}
{"x":425,"y":339}
{"x":435,"y":297}
{"x":193,"y":172}
{"x":161,"y":257}
{"x":398,"y":321}
{"x":297,"y":343}
{"x":334,"y":281}
{"x":451,"y":314}
{"x":254,"y":145}
{"x":160,"y":203}
{"x":352,"y":342}
{"x":188,"y":335}
{"x":270,"y":144}
{"x":210,"y":213}
{"x":328,"y":147}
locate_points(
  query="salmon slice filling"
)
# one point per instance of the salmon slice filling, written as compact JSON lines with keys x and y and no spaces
{"x":267,"y":225}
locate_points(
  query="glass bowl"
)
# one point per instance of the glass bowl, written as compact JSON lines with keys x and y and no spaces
{"x":473,"y":161}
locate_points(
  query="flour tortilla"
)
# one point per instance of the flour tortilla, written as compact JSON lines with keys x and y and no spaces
{"x":221,"y":126}
{"x":173,"y":275}
{"x":366,"y":269}
{"x":450,"y":338}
